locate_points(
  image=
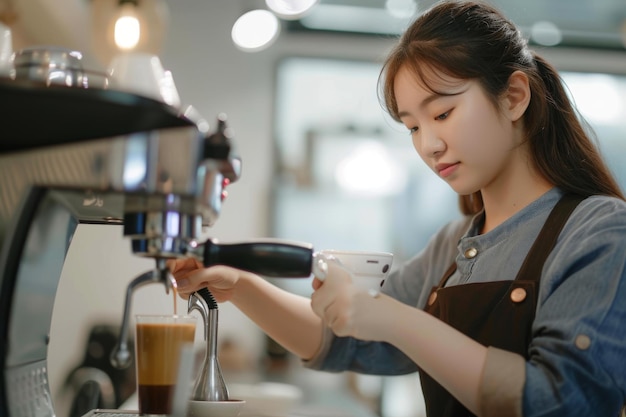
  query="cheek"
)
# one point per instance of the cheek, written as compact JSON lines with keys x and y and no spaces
{"x":418,"y":148}
{"x":416,"y":145}
{"x":482,"y":129}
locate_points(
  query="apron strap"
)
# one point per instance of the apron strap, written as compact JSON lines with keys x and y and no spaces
{"x":538,"y":253}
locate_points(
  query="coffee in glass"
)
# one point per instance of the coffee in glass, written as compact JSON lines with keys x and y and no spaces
{"x":158,"y":343}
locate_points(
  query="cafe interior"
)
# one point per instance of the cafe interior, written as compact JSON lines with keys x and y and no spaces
{"x":313,"y":159}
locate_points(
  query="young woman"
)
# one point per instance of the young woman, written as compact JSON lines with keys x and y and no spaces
{"x":519,"y":307}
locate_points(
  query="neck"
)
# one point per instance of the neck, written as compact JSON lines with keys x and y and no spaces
{"x":514,"y":192}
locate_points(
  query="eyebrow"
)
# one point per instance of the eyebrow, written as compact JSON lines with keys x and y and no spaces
{"x":430,"y":99}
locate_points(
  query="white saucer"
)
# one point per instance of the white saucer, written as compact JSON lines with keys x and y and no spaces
{"x":267,"y":398}
{"x":230,"y":408}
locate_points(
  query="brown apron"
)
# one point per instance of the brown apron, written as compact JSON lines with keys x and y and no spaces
{"x":496,"y":313}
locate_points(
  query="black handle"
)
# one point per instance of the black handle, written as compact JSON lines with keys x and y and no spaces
{"x":208,"y":298}
{"x":273,"y":259}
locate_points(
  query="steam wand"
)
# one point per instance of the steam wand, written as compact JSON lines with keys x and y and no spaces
{"x":121,"y":358}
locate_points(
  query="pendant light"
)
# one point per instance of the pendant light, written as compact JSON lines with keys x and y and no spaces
{"x":290,"y":9}
{"x":119,"y":26}
{"x":127,"y":30}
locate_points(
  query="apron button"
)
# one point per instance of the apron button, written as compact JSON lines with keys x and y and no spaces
{"x":470,"y":253}
{"x":518,"y":295}
{"x":432,"y":298}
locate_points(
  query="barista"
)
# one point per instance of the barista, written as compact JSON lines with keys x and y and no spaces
{"x":516,"y":308}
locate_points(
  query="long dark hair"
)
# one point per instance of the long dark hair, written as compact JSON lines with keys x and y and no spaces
{"x":472,"y":40}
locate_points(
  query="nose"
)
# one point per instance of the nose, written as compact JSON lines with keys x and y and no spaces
{"x":430,"y":143}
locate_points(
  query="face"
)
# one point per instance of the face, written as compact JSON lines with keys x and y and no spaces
{"x":459,"y":133}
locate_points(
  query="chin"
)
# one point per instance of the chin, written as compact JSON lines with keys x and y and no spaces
{"x":462,"y":189}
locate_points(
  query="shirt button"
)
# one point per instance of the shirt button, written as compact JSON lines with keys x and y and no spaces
{"x":432,"y":298}
{"x":518,"y":295}
{"x":582,"y":342}
{"x":470,"y":253}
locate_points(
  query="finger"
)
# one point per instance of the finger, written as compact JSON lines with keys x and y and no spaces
{"x":191,"y":275}
{"x":185,"y":264}
{"x":320,"y":300}
{"x":337,"y":274}
{"x":327,"y":291}
{"x":183,"y":294}
{"x":317,"y":283}
{"x":190,"y":281}
{"x":171,"y":265}
{"x":337,"y":319}
{"x":218,"y":279}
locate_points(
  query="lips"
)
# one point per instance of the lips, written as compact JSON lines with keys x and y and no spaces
{"x":446,"y":169}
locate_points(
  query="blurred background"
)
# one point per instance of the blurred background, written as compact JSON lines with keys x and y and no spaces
{"x":322,"y":163}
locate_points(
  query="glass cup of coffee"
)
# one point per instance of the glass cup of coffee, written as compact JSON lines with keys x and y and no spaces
{"x":159,"y":340}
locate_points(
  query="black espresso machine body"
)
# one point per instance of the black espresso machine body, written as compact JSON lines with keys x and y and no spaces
{"x":89,"y":155}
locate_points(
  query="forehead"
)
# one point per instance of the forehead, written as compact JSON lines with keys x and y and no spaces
{"x":427,"y":78}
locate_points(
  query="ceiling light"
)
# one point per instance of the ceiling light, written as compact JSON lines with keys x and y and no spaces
{"x":290,"y":9}
{"x":147,"y":34}
{"x":127,"y":27}
{"x":255,"y":30}
{"x":401,"y":9}
{"x":546,"y":33}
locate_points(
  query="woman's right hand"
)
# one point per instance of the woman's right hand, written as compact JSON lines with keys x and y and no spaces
{"x":191,"y":276}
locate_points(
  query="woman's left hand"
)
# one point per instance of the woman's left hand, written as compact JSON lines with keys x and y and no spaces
{"x":345,"y":308}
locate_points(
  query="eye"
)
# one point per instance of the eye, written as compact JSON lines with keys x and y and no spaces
{"x":443,"y":116}
{"x":413,"y":130}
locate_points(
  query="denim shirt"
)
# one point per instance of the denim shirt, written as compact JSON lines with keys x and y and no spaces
{"x":577,"y":356}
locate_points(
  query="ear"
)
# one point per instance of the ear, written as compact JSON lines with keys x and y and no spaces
{"x":517,"y":96}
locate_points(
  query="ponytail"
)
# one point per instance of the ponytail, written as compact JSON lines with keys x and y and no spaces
{"x":563,"y":146}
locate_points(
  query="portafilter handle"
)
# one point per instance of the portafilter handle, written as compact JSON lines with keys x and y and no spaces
{"x":273,"y":258}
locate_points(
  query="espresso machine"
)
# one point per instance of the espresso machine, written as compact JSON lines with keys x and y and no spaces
{"x":73,"y":154}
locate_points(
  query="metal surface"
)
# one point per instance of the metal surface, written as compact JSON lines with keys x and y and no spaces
{"x":28,"y":390}
{"x":55,"y":65}
{"x":112,"y":413}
